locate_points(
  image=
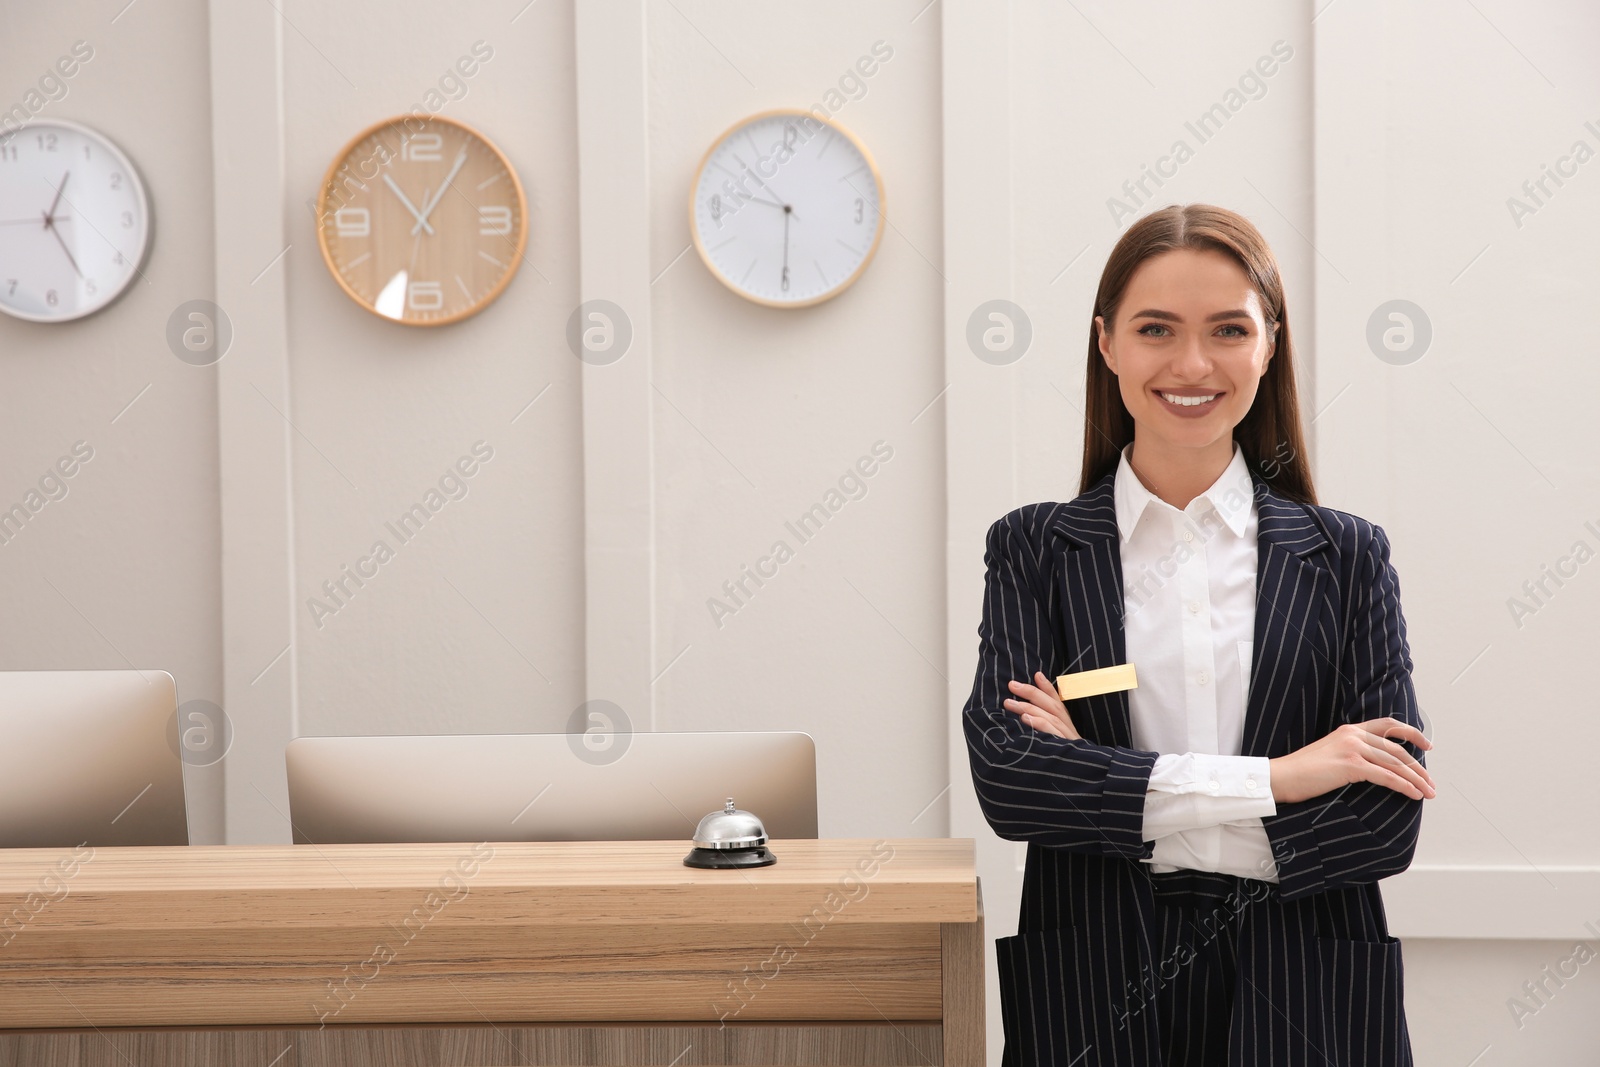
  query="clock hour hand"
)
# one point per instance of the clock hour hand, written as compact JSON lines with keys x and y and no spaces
{"x":421,"y":221}
{"x":429,"y":205}
{"x":50,"y":215}
{"x":788,"y":209}
{"x":764,"y":185}
{"x":763,"y":200}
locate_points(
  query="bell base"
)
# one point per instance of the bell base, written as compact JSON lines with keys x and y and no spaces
{"x":730,"y":858}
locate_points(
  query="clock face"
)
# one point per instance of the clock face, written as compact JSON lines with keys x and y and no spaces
{"x":787,"y":209}
{"x":74,"y":222}
{"x":422,"y":220}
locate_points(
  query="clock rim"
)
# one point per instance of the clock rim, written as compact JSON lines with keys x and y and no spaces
{"x":522,"y":213}
{"x":877,"y":237}
{"x":144,"y":200}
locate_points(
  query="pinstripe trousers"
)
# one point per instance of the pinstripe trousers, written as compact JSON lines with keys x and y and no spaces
{"x":1115,"y":966}
{"x":1175,"y":995}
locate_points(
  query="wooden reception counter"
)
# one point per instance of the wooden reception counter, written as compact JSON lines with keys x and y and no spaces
{"x":844,"y":952}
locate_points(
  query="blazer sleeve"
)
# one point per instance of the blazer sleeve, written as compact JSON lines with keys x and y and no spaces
{"x":1363,"y":831}
{"x":1033,"y":786}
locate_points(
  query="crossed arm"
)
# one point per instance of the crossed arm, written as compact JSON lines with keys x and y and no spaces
{"x":1347,"y":805}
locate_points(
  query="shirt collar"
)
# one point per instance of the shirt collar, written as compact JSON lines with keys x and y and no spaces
{"x":1231,"y":495}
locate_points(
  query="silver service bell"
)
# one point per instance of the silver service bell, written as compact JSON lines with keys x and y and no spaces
{"x":730,"y":838}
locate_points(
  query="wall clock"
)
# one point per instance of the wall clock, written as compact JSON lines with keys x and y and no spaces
{"x":422,"y":220}
{"x":787,"y":209}
{"x":74,"y":221}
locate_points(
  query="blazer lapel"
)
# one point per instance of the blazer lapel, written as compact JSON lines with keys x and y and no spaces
{"x":1090,"y":592}
{"x":1290,"y":594}
{"x":1293,"y":621}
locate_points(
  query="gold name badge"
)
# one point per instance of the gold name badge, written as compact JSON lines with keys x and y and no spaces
{"x":1096,"y":682}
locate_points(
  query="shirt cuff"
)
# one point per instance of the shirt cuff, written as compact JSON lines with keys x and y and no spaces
{"x":1181,"y":795}
{"x":1240,"y":849}
{"x":1218,"y":776}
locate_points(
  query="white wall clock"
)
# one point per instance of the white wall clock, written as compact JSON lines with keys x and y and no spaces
{"x":74,"y":221}
{"x":787,"y":209}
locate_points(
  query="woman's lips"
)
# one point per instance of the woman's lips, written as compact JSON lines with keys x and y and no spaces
{"x":1189,"y":411}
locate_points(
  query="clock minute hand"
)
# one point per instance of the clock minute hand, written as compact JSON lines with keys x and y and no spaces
{"x":787,"y":211}
{"x":429,"y":205}
{"x":421,"y":221}
{"x":49,"y":224}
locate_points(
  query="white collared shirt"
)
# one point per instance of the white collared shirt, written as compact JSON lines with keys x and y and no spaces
{"x":1189,"y":589}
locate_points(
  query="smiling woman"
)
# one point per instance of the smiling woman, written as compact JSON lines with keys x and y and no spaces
{"x":1269,"y":752}
{"x":1189,"y":336}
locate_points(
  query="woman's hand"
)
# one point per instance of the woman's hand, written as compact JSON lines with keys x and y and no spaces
{"x":1355,"y":752}
{"x":1041,"y":708}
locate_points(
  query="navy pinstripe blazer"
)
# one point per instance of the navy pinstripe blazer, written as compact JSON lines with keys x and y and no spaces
{"x":1106,"y":964}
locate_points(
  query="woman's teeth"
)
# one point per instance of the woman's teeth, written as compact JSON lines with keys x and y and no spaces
{"x":1189,"y":401}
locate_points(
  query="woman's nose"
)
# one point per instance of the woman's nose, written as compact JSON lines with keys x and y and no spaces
{"x":1190,"y":360}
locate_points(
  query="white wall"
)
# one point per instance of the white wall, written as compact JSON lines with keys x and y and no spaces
{"x":470,"y":627}
{"x":124,"y":571}
{"x":1378,"y":162}
{"x":760,"y":411}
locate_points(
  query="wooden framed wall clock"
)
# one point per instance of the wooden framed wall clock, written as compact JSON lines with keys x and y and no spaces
{"x":787,"y":209}
{"x":74,"y":221}
{"x":422,"y":220}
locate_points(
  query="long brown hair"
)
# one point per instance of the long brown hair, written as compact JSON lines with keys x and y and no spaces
{"x":1270,"y":434}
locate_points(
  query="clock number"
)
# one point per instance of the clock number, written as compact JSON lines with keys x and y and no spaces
{"x":127,"y":220}
{"x":784,"y":284}
{"x":51,"y":298}
{"x":85,"y":151}
{"x":47,"y":142}
{"x":353,"y":222}
{"x":716,"y":208}
{"x":89,"y":286}
{"x":116,"y":179}
{"x":118,"y":260}
{"x":425,"y":296}
{"x":8,"y":151}
{"x":422,"y":148}
{"x":860,"y":209}
{"x":13,"y":290}
{"x":494,"y":220}
{"x":789,"y":135}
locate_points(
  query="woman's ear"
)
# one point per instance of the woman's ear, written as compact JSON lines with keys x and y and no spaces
{"x":1105,"y":343}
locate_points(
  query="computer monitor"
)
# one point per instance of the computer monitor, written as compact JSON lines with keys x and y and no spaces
{"x":545,"y":787}
{"x":85,"y":758}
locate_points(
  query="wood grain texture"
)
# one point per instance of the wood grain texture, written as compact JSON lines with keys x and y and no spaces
{"x":897,"y":1043}
{"x":965,"y":1019}
{"x":508,"y":933}
{"x":521,"y":883}
{"x":544,"y":973}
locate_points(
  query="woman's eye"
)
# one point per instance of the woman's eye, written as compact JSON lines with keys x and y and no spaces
{"x":1242,"y":331}
{"x":1145,"y":329}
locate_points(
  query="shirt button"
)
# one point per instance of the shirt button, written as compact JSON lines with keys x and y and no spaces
{"x":1213,"y":785}
{"x":1250,"y":783}
{"x":1194,"y":607}
{"x":1188,"y":535}
{"x":1202,"y":677}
